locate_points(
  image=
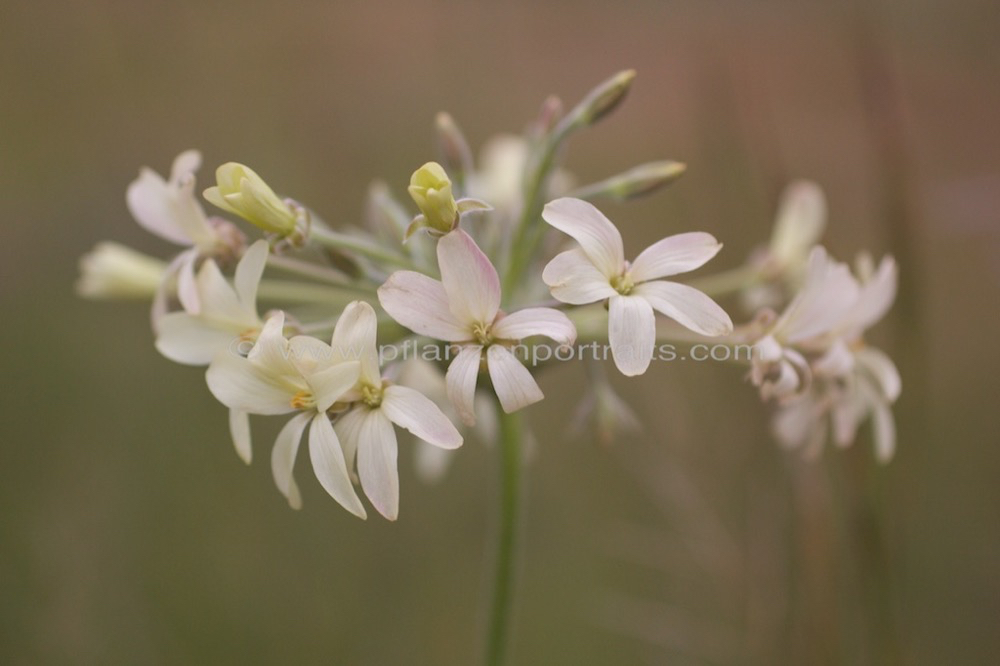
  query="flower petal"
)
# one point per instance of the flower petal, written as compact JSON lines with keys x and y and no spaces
{"x":272,"y":353}
{"x":461,"y":380}
{"x":573,"y":278}
{"x":674,"y":254}
{"x":551,"y":323}
{"x":348,"y":427}
{"x":595,"y":233}
{"x":286,"y":447}
{"x":239,"y":428}
{"x":875,"y":297}
{"x":330,"y":384}
{"x":239,"y":384}
{"x":354,"y":339}
{"x":187,"y":284}
{"x":632,"y":333}
{"x":882,"y":370}
{"x":415,"y":412}
{"x":687,"y":306}
{"x":513,"y":383}
{"x":329,"y":465}
{"x":149,"y":200}
{"x":190,"y":340}
{"x":420,"y":303}
{"x":470,"y":280}
{"x":884,"y":432}
{"x":249,"y":271}
{"x":825,"y":300}
{"x":377,"y":454}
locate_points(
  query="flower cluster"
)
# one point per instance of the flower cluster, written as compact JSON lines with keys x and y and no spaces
{"x":468,"y":269}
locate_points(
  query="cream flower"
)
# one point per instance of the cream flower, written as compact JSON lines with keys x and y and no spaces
{"x":597,"y":271}
{"x":366,"y":429}
{"x":112,"y":270}
{"x":281,"y":376}
{"x":227,"y":313}
{"x":170,"y":210}
{"x":464,"y":308}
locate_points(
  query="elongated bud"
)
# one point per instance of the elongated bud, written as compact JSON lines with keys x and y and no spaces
{"x":548,"y":117}
{"x":636,"y":182}
{"x":799,"y":225}
{"x":112,"y":270}
{"x":430,"y":188}
{"x":242,"y":192}
{"x":455,"y":152}
{"x":600,"y":101}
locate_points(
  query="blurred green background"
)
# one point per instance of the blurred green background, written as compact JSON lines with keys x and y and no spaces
{"x":130,"y":533}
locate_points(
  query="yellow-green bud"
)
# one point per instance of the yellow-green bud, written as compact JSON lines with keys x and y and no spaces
{"x":600,"y":101}
{"x":242,"y":192}
{"x":430,"y":188}
{"x":636,"y":182}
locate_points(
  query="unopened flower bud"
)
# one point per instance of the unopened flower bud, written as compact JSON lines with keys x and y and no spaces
{"x":242,"y":192}
{"x":600,"y":101}
{"x":112,"y":270}
{"x":430,"y":188}
{"x":455,"y":152}
{"x":636,"y":182}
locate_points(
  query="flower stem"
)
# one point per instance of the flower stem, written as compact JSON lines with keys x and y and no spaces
{"x":505,"y":563}
{"x":727,"y":282}
{"x":361,"y":246}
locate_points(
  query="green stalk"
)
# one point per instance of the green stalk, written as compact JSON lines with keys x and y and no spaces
{"x":361,"y":246}
{"x":505,"y":564}
{"x":727,"y":282}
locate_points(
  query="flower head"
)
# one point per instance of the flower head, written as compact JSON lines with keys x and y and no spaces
{"x":597,"y":271}
{"x":464,"y":308}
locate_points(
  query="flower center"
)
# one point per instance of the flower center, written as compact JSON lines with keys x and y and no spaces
{"x":623,"y":284}
{"x":481,"y":332}
{"x":371,"y":395}
{"x":303,"y":400}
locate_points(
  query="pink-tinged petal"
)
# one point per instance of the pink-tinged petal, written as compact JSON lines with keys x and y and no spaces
{"x":190,"y":340}
{"x":286,"y":448}
{"x":595,"y":233}
{"x":329,"y":465}
{"x":348,"y":427}
{"x":631,"y":333}
{"x":687,"y":306}
{"x":845,"y":415}
{"x":420,"y":303}
{"x":469,"y":279}
{"x":415,"y":412}
{"x":330,"y":384}
{"x":825,"y":300}
{"x":248,"y":273}
{"x":239,"y":384}
{"x":354,"y":339}
{"x":674,"y":254}
{"x":800,"y":222}
{"x":875,"y":297}
{"x":884,"y":427}
{"x":150,"y":201}
{"x":271,"y":352}
{"x":551,"y":323}
{"x":882,"y":370}
{"x":239,"y":429}
{"x":513,"y":383}
{"x":795,"y":421}
{"x":377,"y":453}
{"x":573,"y":278}
{"x":460,"y":382}
{"x":187,"y":285}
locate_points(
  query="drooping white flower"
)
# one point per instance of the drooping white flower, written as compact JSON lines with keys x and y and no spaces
{"x":366,"y":429}
{"x":798,"y":226}
{"x":281,"y":376}
{"x":170,"y":210}
{"x":464,"y":308}
{"x":597,"y":271}
{"x":227,"y":313}
{"x":827,"y":296}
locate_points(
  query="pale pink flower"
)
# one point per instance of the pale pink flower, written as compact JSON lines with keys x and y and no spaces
{"x":170,"y":210}
{"x":366,"y":429}
{"x":597,"y":271}
{"x":464,"y":308}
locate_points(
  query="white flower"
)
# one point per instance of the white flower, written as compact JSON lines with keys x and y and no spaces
{"x":170,"y":210}
{"x":226,"y":313}
{"x":281,"y":376}
{"x":112,"y":270}
{"x":366,"y":429}
{"x":464,"y":308}
{"x":598,"y":271}
{"x":827,"y":296}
